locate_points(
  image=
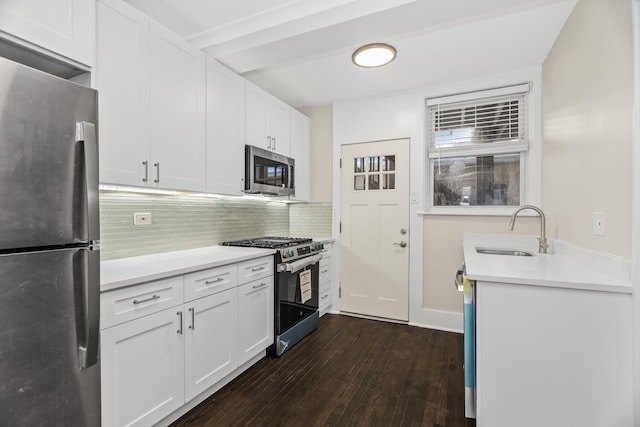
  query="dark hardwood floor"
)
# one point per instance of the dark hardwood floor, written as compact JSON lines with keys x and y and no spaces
{"x":349,"y":372}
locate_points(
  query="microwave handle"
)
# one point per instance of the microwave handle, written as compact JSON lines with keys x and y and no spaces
{"x":291,"y":177}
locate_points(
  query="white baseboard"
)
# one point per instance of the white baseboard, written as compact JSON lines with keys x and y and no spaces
{"x":441,"y":320}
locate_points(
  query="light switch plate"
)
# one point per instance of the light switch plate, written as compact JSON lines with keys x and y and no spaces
{"x":143,"y":218}
{"x":598,"y":223}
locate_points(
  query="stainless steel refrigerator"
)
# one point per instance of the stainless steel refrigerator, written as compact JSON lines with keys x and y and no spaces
{"x":49,"y":251}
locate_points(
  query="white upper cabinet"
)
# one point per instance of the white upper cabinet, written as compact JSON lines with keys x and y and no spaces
{"x":225,"y":130}
{"x":267,"y":121}
{"x":64,"y":28}
{"x":152,"y":102}
{"x":121,"y":76}
{"x":301,"y":153}
{"x":177,"y":74}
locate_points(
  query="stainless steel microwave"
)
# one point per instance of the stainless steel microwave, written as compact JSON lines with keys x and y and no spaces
{"x":267,"y":172}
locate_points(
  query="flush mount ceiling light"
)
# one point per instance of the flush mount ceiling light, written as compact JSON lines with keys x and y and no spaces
{"x":374,"y":55}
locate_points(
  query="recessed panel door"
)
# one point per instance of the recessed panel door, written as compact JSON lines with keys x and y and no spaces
{"x":374,"y":238}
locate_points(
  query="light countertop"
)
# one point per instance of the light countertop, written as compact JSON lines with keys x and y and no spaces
{"x":123,"y":272}
{"x":566,"y":266}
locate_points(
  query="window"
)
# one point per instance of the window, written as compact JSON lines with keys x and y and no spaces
{"x":367,"y":172}
{"x":477,"y":144}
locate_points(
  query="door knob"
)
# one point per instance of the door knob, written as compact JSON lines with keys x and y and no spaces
{"x":403,"y":231}
{"x":402,"y":244}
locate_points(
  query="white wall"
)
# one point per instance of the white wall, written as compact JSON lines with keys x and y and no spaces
{"x":321,"y":141}
{"x":435,"y":241}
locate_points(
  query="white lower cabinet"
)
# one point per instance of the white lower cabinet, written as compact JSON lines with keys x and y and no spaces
{"x":142,"y":370}
{"x":324,"y":281}
{"x":155,"y":358}
{"x":255,"y":304}
{"x":211,"y":341}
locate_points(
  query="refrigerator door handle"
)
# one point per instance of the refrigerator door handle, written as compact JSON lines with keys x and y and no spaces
{"x":89,"y":332}
{"x":86,"y":134}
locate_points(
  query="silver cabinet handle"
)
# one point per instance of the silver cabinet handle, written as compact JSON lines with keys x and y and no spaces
{"x":261,"y":285}
{"x":210,"y":282}
{"x":146,"y":171}
{"x":402,"y":244}
{"x":157,"y":180}
{"x":325,"y":296}
{"x":274,"y":143}
{"x":193,"y":318}
{"x":153,"y":298}
{"x":324,"y":271}
{"x":457,"y":280}
{"x":269,"y":142}
{"x":180,"y":329}
{"x":258,"y":269}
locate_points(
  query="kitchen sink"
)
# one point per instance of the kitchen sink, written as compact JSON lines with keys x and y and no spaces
{"x":509,"y":252}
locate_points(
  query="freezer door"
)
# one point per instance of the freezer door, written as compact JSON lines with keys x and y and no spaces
{"x":46,"y":155}
{"x":49,"y":311}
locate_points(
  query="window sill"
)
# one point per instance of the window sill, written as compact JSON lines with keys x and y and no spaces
{"x":475,"y":211}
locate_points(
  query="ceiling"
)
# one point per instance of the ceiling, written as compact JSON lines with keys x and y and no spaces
{"x":300,"y":50}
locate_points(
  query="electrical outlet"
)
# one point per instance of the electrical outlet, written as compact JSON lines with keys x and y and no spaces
{"x":598,"y":223}
{"x":142,"y":218}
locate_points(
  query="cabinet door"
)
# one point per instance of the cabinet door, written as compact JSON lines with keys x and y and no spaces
{"x":255,"y":318}
{"x":177,"y":75}
{"x":225,"y":130}
{"x":142,"y":370}
{"x":280,"y":126}
{"x":62,"y":27}
{"x":256,"y":116}
{"x":211,"y":341}
{"x":300,"y":151}
{"x":122,"y":69}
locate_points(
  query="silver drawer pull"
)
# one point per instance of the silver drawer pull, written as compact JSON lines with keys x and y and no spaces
{"x":325,"y":296}
{"x":261,"y":285}
{"x":193,"y":318}
{"x":153,"y":298}
{"x":209,"y":282}
{"x":180,"y":314}
{"x":324,"y":271}
{"x":258,"y":269}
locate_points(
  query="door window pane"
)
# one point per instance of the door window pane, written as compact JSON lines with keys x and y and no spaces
{"x":358,"y":164}
{"x":374,"y":182}
{"x":477,"y":180}
{"x":389,"y":181}
{"x":359,"y":182}
{"x":388,"y":163}
{"x":374,"y":164}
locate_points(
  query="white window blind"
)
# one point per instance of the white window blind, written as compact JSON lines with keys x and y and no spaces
{"x":490,"y":123}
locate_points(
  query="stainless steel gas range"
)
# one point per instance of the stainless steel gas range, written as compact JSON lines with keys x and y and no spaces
{"x":296,"y":287}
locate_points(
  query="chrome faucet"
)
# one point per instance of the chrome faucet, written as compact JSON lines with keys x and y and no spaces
{"x":542,"y":245}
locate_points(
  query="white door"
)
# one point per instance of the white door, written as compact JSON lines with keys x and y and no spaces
{"x":255,"y":318}
{"x":211,"y":341}
{"x":142,"y":369}
{"x":375,"y":232}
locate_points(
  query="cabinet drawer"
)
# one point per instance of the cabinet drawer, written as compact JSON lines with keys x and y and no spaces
{"x":133,"y":302}
{"x":255,"y":269}
{"x":209,"y":282}
{"x":324,"y":296}
{"x":325,"y":271}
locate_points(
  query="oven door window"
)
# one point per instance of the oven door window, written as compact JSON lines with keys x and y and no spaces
{"x":270,"y":172}
{"x":291,"y":308}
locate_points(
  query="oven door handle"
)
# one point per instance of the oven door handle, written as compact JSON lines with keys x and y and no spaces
{"x":296,"y":266}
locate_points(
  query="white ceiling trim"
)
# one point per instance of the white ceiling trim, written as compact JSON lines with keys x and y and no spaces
{"x":281,"y":22}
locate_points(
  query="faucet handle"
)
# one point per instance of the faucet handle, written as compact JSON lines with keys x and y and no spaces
{"x":543,"y":245}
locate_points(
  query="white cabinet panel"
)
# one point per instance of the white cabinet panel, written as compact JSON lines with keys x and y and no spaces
{"x":301,"y":153}
{"x":267,"y":121}
{"x":122,"y":70}
{"x":152,"y":102}
{"x":62,"y":27}
{"x":210,"y":281}
{"x":142,"y":370}
{"x":211,"y":341}
{"x":225,"y":130}
{"x":255,"y":318}
{"x":255,"y":269}
{"x":176,"y":112}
